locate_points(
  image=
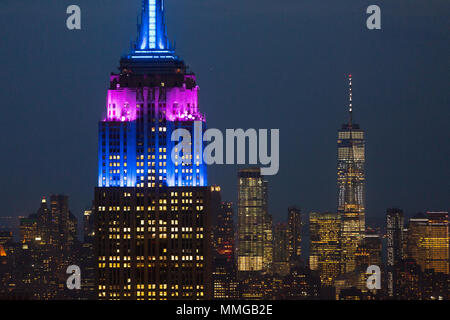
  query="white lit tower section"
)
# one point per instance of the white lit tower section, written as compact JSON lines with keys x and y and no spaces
{"x":351,"y":185}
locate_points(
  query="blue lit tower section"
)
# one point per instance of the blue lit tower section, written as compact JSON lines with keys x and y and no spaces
{"x":153,"y":95}
{"x":153,"y":35}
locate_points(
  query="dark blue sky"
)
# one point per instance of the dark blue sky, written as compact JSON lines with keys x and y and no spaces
{"x":260,"y":64}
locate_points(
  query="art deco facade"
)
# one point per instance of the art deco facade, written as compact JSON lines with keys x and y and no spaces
{"x":152,"y":203}
{"x":351,"y":185}
{"x":154,"y":244}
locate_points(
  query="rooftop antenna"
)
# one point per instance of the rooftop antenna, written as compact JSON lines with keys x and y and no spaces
{"x":350,"y":98}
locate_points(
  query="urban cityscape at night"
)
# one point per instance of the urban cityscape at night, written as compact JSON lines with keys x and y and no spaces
{"x":339,"y":193}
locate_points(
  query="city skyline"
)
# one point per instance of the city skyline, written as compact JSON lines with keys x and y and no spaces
{"x":382,"y":106}
{"x":159,"y":227}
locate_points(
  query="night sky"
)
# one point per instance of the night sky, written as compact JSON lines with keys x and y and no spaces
{"x":260,"y":64}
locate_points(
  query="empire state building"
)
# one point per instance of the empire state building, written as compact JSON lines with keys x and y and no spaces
{"x":152,"y":209}
{"x":351,"y":185}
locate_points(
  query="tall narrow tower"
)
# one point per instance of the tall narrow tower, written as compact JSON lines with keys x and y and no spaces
{"x":152,"y":210}
{"x":253,"y":219}
{"x":394,"y":235}
{"x":351,"y":181}
{"x":294,"y":233}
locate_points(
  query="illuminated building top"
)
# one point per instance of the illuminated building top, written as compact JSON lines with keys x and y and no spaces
{"x":151,"y":97}
{"x":152,"y":46}
{"x":153,"y":36}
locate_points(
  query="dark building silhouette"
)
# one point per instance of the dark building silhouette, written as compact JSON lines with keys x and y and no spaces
{"x":294,"y":233}
{"x":224,"y":262}
{"x":395,"y":240}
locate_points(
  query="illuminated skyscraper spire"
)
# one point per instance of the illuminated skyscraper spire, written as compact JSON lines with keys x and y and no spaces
{"x":152,"y":41}
{"x":350,"y":97}
{"x":153,"y":30}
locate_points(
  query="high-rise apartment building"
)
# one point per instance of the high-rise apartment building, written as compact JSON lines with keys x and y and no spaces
{"x":152,"y":204}
{"x":351,"y":182}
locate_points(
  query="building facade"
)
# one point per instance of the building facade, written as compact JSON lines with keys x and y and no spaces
{"x":252,"y":220}
{"x":428,"y":242}
{"x":324,"y":255}
{"x":394,"y":235}
{"x":295,"y":233}
{"x":281,"y":236}
{"x":224,"y":262}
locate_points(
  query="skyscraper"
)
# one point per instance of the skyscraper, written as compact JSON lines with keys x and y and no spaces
{"x":351,"y":181}
{"x":428,"y":242}
{"x":417,"y":232}
{"x":295,"y":233}
{"x":268,"y":243}
{"x":252,"y":219}
{"x":28,"y":229}
{"x":152,"y":203}
{"x":324,"y":254}
{"x":48,"y":247}
{"x":281,"y":249}
{"x":437,"y":242}
{"x":369,"y":251}
{"x":394,"y":230}
{"x":224,"y":264}
{"x":64,"y":223}
{"x":87,"y":257}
